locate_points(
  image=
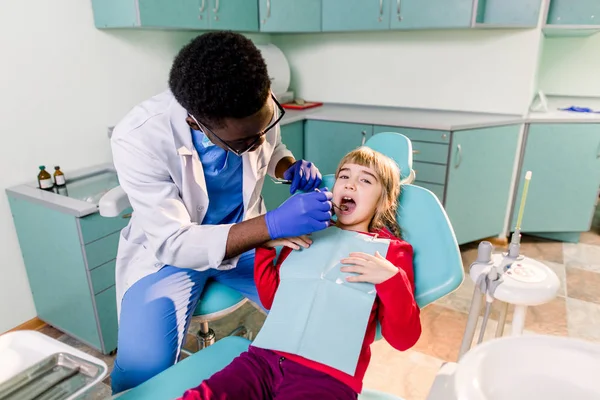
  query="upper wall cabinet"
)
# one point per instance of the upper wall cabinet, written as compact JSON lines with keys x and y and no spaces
{"x":574,"y":12}
{"x":572,"y":18}
{"x":420,"y":14}
{"x":509,"y":13}
{"x":290,"y":15}
{"x":356,"y":15}
{"x":237,"y":15}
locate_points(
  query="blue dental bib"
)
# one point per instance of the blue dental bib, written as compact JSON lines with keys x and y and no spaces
{"x":316,"y":312}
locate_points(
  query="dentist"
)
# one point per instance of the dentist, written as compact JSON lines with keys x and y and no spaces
{"x":192,"y":161}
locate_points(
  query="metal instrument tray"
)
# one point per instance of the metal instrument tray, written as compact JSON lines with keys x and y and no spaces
{"x":56,"y":377}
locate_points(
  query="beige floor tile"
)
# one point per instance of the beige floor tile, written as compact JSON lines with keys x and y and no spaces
{"x":583,"y":256}
{"x":442,"y":332}
{"x":591,"y":237}
{"x":407,"y":374}
{"x":583,"y":319}
{"x":51,"y":331}
{"x":542,"y":249}
{"x":549,"y":318}
{"x":583,"y":284}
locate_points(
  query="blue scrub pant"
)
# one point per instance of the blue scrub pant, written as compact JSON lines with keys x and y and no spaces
{"x":156,"y":313}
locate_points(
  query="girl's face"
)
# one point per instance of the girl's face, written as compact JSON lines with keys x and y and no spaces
{"x":359,"y":189}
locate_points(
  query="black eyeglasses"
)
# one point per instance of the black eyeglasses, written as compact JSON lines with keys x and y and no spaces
{"x":248,"y":142}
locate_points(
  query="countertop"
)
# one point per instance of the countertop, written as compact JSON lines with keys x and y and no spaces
{"x":81,"y":203}
{"x":440,"y":119}
{"x":405,"y":117}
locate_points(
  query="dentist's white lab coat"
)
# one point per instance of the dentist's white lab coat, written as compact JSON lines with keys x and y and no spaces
{"x":161,"y":173}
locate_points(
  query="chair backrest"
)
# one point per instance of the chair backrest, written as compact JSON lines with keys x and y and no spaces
{"x":397,"y":147}
{"x":425,"y":225}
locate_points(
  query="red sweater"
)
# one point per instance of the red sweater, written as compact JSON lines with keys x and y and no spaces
{"x":395,"y":306}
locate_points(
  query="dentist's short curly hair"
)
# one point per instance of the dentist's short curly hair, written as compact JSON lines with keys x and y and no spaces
{"x":220,"y":75}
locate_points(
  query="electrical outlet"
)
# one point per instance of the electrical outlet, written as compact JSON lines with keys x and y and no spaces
{"x":110,"y":131}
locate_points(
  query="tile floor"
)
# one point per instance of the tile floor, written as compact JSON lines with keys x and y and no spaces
{"x":575,"y":312}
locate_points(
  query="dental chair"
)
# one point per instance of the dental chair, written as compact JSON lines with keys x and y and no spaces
{"x":216,"y":301}
{"x":437,"y":265}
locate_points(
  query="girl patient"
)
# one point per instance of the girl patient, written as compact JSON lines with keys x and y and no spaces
{"x":367,"y":187}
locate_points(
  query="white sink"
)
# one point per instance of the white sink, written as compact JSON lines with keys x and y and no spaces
{"x":530,"y":367}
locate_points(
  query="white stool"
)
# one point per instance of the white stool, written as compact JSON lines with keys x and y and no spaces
{"x":525,"y":283}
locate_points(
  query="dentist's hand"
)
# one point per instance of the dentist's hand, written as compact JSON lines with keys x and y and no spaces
{"x":300,"y":215}
{"x":304,"y":176}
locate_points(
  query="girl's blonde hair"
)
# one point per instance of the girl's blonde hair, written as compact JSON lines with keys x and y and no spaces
{"x":388,"y":173}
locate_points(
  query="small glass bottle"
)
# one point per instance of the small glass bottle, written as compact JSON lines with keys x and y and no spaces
{"x":59,"y":177}
{"x":44,"y":179}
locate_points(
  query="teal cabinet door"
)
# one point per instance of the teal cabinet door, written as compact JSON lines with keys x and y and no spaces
{"x":190,"y":14}
{"x":238,"y":15}
{"x":292,"y":135}
{"x":565,"y":163}
{"x":290,"y":15}
{"x":574,"y":12}
{"x":325,"y":142}
{"x":115,"y":14}
{"x":479,"y":179}
{"x":356,"y":15}
{"x":414,"y":14}
{"x":522,"y":13}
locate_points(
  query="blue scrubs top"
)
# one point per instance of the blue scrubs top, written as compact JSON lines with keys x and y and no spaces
{"x":223,"y":176}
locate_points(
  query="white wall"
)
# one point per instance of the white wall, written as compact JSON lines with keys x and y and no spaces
{"x":570,"y":66}
{"x":477,"y":70}
{"x":62,"y":83}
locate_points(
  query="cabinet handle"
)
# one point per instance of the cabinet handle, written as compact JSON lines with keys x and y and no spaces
{"x":399,"y":9}
{"x":380,"y":10}
{"x":458,"y":155}
{"x":364,"y":137}
{"x":474,"y":13}
{"x":416,"y":152}
{"x":216,"y":9}
{"x":268,"y":8}
{"x":598,"y":151}
{"x":203,"y":6}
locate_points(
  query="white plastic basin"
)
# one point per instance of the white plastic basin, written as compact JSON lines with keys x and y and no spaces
{"x":530,"y":367}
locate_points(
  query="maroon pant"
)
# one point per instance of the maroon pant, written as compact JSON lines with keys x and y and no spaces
{"x":259,"y":374}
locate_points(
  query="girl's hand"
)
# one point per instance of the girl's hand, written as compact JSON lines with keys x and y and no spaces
{"x":293,"y":242}
{"x":373,"y":269}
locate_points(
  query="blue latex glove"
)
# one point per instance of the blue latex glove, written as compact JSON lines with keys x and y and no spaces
{"x":304,"y":176}
{"x":301,"y":214}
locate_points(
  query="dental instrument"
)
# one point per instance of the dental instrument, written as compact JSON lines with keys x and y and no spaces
{"x":510,"y":278}
{"x":289,"y":182}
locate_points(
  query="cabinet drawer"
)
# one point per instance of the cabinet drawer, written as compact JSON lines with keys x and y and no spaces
{"x":103,"y":276}
{"x":438,"y":190}
{"x":95,"y":226}
{"x":102,"y":250}
{"x":433,"y":173}
{"x":430,"y":152}
{"x":106,"y":307}
{"x":421,"y":135}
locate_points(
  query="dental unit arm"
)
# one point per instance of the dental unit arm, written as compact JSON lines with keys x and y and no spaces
{"x":488,"y":282}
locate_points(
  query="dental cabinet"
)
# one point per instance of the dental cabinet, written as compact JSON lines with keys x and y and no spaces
{"x":288,"y":16}
{"x":69,"y":253}
{"x":565,"y":160}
